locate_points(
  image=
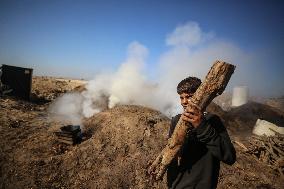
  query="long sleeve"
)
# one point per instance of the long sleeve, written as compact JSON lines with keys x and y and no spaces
{"x":174,"y":121}
{"x":213,"y":133}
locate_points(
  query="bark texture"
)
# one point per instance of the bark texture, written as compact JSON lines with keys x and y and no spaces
{"x":213,"y":85}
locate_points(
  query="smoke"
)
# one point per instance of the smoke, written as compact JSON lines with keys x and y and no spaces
{"x":189,"y":34}
{"x":191,"y":52}
{"x":128,"y":85}
{"x":68,"y":108}
{"x":129,"y":80}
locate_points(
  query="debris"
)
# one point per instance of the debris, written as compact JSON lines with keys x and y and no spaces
{"x":269,"y":150}
{"x":241,"y":145}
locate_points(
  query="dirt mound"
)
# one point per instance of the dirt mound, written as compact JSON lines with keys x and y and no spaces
{"x":46,"y":89}
{"x":224,"y":100}
{"x":215,"y":109}
{"x":123,"y":145}
{"x":277,"y":103}
{"x":121,"y":142}
{"x":241,"y":120}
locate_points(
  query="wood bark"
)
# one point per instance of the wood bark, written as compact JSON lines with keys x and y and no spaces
{"x":214,"y":84}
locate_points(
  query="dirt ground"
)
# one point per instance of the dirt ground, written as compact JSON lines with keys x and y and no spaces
{"x":118,"y":144}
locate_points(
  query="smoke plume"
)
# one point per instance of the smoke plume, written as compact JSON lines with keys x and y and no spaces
{"x":191,"y":52}
{"x":128,"y":85}
{"x":68,"y":108}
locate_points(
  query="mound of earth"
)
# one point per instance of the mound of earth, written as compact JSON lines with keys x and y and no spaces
{"x":277,"y":103}
{"x":215,"y":109}
{"x":46,"y":89}
{"x":224,"y":100}
{"x":119,"y":142}
{"x":242,"y":119}
{"x":123,"y":141}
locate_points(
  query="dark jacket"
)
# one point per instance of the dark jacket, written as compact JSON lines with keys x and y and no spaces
{"x":201,"y":154}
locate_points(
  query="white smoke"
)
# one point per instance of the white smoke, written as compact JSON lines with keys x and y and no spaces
{"x":68,"y":108}
{"x":129,"y":80}
{"x":191,"y":53}
{"x":128,"y":85}
{"x":189,"y":34}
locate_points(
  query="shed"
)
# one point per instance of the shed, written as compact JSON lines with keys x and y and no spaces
{"x":19,"y":79}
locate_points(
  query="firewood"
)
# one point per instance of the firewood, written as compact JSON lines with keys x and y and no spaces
{"x":269,"y":150}
{"x":241,"y":145}
{"x":213,"y":85}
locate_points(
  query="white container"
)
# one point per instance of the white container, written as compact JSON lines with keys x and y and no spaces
{"x":263,"y":127}
{"x":240,"y":96}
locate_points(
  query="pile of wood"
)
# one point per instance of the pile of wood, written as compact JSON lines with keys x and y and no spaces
{"x":70,"y":134}
{"x":269,"y":150}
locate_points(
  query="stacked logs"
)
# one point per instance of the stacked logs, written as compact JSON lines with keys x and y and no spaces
{"x":269,"y":150}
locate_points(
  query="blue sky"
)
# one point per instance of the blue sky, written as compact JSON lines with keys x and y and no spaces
{"x":82,"y":38}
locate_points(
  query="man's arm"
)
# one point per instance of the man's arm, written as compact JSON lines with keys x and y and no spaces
{"x":213,"y":133}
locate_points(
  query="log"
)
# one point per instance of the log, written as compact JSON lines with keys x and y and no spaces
{"x":241,"y":145}
{"x":214,"y":84}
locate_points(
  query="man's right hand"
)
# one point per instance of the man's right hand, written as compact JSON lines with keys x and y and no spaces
{"x":193,"y":115}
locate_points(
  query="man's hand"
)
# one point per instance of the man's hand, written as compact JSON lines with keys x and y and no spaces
{"x":193,"y":115}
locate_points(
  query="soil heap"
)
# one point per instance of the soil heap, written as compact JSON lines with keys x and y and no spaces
{"x":118,"y":144}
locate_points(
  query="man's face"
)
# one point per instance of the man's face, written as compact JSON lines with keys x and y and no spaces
{"x":184,"y":97}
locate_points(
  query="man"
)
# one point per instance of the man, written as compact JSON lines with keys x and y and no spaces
{"x":198,"y":163}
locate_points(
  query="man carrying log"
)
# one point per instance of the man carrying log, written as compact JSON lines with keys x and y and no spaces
{"x":198,"y":162}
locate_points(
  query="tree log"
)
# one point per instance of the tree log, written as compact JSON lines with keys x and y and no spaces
{"x":213,"y":85}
